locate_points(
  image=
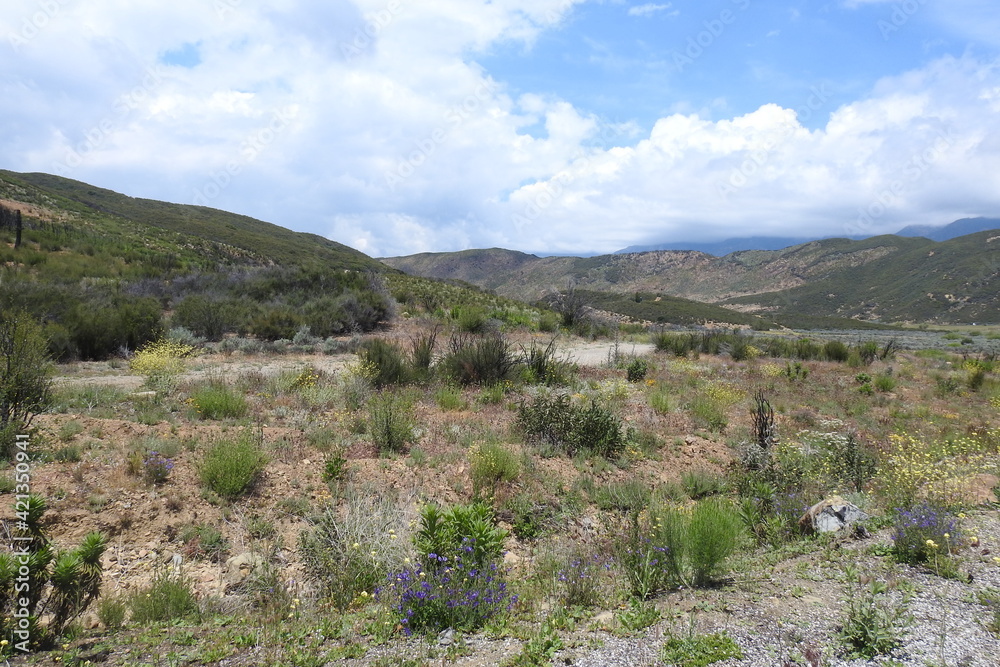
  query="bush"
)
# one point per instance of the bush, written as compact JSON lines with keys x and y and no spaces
{"x":168,"y":597}
{"x":541,"y":366}
{"x":708,"y":414}
{"x":484,"y":360}
{"x":699,"y":483}
{"x":628,"y":496}
{"x":58,"y":586}
{"x":490,"y":465}
{"x":156,"y":468}
{"x":553,"y":419}
{"x":462,"y":531}
{"x":218,"y":401}
{"x":232,"y":467}
{"x":834,"y":350}
{"x":386,"y":361}
{"x":636,"y":370}
{"x":204,"y":541}
{"x":885,"y":383}
{"x":25,"y":385}
{"x":700,"y":650}
{"x":354,"y":551}
{"x":713,"y":533}
{"x":390,"y":421}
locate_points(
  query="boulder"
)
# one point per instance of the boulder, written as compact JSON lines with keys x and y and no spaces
{"x":239,"y":567}
{"x":830,"y":516}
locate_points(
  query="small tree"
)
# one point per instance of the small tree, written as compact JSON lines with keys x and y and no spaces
{"x":11,"y":219}
{"x":25,"y":388}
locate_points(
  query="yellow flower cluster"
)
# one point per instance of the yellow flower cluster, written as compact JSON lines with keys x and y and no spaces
{"x":772,"y":370}
{"x":725,"y":394}
{"x":307,"y":379}
{"x":161,"y":356}
{"x":938,"y":470}
{"x":995,"y":402}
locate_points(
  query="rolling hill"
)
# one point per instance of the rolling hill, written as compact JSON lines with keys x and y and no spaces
{"x":884,"y":278}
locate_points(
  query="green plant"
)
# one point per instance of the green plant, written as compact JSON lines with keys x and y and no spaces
{"x":390,"y":421}
{"x":167,"y":597}
{"x":542,"y":367}
{"x":111,"y":611}
{"x":450,"y":398}
{"x":636,"y":370}
{"x":230,"y":468}
{"x":700,"y":482}
{"x":540,"y":649}
{"x":354,"y":552}
{"x":708,"y":414}
{"x":552,"y":419}
{"x":218,"y":401}
{"x":204,"y":541}
{"x":52,"y":586}
{"x":70,"y":430}
{"x":334,"y":466}
{"x":885,"y":383}
{"x":156,"y":468}
{"x":482,"y":360}
{"x":700,"y":650}
{"x":639,"y":615}
{"x":873,"y":624}
{"x":713,"y":532}
{"x":627,"y":496}
{"x":491,"y":464}
{"x":25,"y":384}
{"x":386,"y":361}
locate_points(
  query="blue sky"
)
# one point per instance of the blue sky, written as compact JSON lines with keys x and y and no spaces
{"x":557,"y":126}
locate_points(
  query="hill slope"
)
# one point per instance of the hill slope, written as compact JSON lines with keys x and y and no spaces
{"x":883,"y":277}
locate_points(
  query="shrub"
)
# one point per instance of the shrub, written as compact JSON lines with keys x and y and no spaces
{"x":834,"y":350}
{"x":231,"y":467}
{"x":386,"y":362}
{"x":922,"y":532}
{"x":450,"y":398}
{"x":390,"y":421}
{"x":553,"y":419}
{"x":58,"y":585}
{"x":446,"y":593}
{"x":629,"y":496}
{"x":541,"y":366}
{"x":700,"y":650}
{"x":353,"y":552}
{"x":491,"y":464}
{"x":580,"y":579}
{"x":699,"y":483}
{"x":645,"y":556}
{"x":885,"y":383}
{"x":334,"y":467}
{"x":218,"y":401}
{"x":168,"y":597}
{"x":160,"y":362}
{"x":111,"y":611}
{"x":25,"y":386}
{"x":484,"y":360}
{"x":636,"y":370}
{"x":708,"y":414}
{"x":713,"y":534}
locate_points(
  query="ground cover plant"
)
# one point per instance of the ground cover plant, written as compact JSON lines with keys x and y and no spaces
{"x":435,"y":493}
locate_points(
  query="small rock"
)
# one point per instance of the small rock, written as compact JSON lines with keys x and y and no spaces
{"x":830,"y":516}
{"x":447,"y":638}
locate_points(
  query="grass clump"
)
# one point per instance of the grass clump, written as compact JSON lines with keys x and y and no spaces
{"x":232,"y":467}
{"x":390,"y":421}
{"x":168,"y":597}
{"x":218,"y":401}
{"x":491,"y":464}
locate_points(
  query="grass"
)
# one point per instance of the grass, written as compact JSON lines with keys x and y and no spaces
{"x":231,"y":467}
{"x":218,"y":401}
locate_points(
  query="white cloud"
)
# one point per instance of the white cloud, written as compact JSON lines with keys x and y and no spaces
{"x":371,"y":122}
{"x":651,"y":8}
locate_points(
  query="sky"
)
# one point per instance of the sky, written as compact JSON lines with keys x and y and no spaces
{"x":547,"y":126}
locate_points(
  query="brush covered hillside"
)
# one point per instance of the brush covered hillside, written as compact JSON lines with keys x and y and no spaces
{"x":887,"y":278}
{"x":101,"y":270}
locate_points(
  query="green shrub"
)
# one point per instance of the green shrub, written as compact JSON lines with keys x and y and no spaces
{"x":700,"y":650}
{"x":25,"y":385}
{"x":659,"y":400}
{"x":204,"y":541}
{"x":462,"y":531}
{"x":491,"y":464}
{"x":334,"y":467}
{"x":230,"y":468}
{"x":450,"y":398}
{"x":482,"y":360}
{"x":218,"y":401}
{"x":699,"y":483}
{"x":629,"y":496}
{"x":713,"y":533}
{"x":636,"y":370}
{"x":354,"y":551}
{"x":834,"y":350}
{"x":387,"y":363}
{"x":168,"y":597}
{"x":885,"y":383}
{"x":390,"y":421}
{"x":553,"y":419}
{"x":708,"y":414}
{"x":111,"y":611}
{"x":542,"y":367}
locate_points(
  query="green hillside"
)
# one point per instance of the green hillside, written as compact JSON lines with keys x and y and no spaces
{"x":103,"y":271}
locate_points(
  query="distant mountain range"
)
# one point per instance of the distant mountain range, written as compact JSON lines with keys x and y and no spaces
{"x":722,"y":248}
{"x":880,"y":279}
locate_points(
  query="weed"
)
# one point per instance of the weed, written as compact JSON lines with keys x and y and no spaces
{"x":231,"y":467}
{"x":873,"y":623}
{"x":156,"y":468}
{"x":166,"y":598}
{"x":491,"y":464}
{"x":638,"y":615}
{"x":204,"y":541}
{"x":700,"y":482}
{"x":390,"y":421}
{"x":700,"y":650}
{"x":218,"y":401}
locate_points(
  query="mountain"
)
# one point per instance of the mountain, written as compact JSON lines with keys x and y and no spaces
{"x":954,"y":230}
{"x":722,"y":248}
{"x":104,"y":272}
{"x":883,"y":278}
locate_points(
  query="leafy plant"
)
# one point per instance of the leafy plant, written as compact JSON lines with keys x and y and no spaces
{"x":923,"y":532}
{"x":230,"y":468}
{"x":700,"y":650}
{"x":390,"y":421}
{"x":156,"y":468}
{"x":636,"y":370}
{"x":204,"y":541}
{"x":462,"y":531}
{"x":873,"y":623}
{"x":25,"y":386}
{"x":482,"y":360}
{"x":553,"y":419}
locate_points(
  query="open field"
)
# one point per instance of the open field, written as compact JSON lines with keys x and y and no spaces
{"x":638,"y":507}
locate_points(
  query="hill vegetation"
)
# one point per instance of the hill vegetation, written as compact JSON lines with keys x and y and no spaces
{"x":884,"y":278}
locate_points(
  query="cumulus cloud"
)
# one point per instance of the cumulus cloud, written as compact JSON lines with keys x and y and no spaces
{"x":372,"y":123}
